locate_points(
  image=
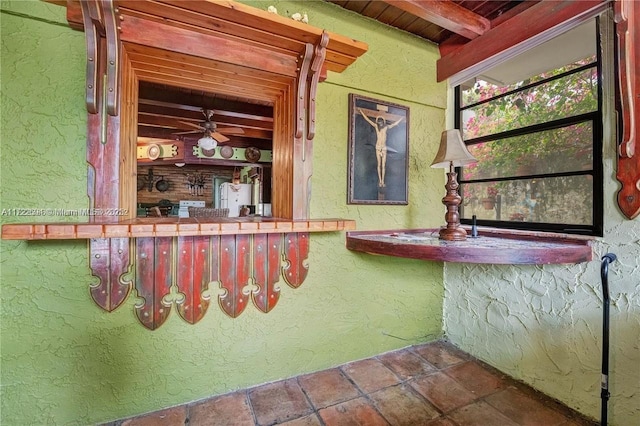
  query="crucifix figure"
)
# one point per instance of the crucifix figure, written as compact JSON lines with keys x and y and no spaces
{"x":381,"y":127}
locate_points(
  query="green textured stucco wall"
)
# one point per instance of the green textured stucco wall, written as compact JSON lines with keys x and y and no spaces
{"x":64,"y":361}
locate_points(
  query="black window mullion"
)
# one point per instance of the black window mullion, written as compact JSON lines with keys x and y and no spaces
{"x":589,"y":172}
{"x":535,"y":128}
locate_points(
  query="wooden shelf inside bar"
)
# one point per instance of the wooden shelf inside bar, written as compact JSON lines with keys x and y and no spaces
{"x":169,"y":227}
{"x":492,"y":246}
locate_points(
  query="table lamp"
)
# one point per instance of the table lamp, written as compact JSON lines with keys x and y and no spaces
{"x":452,"y":153}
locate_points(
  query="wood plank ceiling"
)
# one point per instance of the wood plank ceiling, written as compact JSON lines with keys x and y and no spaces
{"x":163,"y":110}
{"x":436,"y":21}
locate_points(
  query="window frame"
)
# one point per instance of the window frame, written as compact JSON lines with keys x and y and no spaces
{"x":596,"y":117}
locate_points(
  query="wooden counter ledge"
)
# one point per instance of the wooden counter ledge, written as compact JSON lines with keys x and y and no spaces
{"x":169,"y":227}
{"x":492,"y":246}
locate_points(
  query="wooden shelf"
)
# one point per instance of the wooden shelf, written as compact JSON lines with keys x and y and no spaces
{"x":170,"y":227}
{"x":232,"y":20}
{"x":492,"y":246}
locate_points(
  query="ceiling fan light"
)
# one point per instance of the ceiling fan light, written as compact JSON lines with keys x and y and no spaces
{"x":207,"y":142}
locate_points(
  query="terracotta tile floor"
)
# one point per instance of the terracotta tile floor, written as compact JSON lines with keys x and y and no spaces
{"x":433,"y":384}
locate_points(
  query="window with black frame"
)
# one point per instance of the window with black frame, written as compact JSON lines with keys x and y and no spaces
{"x":537,"y":138}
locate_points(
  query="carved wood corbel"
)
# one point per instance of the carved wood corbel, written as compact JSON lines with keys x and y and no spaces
{"x":112,"y":35}
{"x":309,"y":74}
{"x":302,"y":97}
{"x":92,"y":19}
{"x":100,"y":18}
{"x":627,"y":17}
{"x":314,"y":77}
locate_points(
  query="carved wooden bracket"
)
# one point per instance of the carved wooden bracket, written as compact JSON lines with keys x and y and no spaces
{"x":309,"y":71}
{"x":302,"y":97}
{"x":100,"y":22}
{"x":627,"y":18}
{"x":180,"y":271}
{"x":92,"y":19}
{"x":314,"y":77}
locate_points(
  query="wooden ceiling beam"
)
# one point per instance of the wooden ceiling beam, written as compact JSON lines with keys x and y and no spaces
{"x":261,"y":95}
{"x":177,"y":123}
{"x":533,"y":21}
{"x":446,"y":14}
{"x":456,"y":41}
{"x":194,"y":112}
{"x":255,"y":135}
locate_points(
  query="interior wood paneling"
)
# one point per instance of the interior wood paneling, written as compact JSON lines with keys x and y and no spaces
{"x":129,"y":132}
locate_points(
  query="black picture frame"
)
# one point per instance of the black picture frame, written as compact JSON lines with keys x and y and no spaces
{"x":389,"y":122}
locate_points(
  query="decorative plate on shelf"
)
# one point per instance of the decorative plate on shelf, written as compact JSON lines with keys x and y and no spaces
{"x":252,"y":154}
{"x":153,"y":152}
{"x":226,"y":151}
{"x":208,"y":152}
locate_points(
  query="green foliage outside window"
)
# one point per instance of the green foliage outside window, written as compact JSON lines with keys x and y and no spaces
{"x":541,"y":169}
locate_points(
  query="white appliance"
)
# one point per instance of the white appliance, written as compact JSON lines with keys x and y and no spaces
{"x":234,"y":196}
{"x":183,"y":208}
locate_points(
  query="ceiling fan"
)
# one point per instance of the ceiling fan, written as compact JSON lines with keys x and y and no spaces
{"x":212,"y":134}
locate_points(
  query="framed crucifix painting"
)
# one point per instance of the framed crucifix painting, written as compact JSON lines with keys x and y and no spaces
{"x":378,"y":151}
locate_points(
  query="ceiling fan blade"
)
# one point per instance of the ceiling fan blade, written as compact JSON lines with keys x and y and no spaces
{"x":231,"y":130}
{"x":187,"y":133}
{"x":197,"y":126}
{"x":219,"y":137}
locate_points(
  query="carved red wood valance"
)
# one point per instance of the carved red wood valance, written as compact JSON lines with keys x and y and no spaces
{"x":193,"y":264}
{"x":627,"y":18}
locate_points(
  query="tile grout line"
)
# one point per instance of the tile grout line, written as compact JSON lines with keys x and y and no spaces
{"x":314,"y":409}
{"x":253,"y":412}
{"x":363,"y":394}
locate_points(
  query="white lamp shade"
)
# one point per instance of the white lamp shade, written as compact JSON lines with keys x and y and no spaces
{"x":452,"y":151}
{"x":207,"y":142}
